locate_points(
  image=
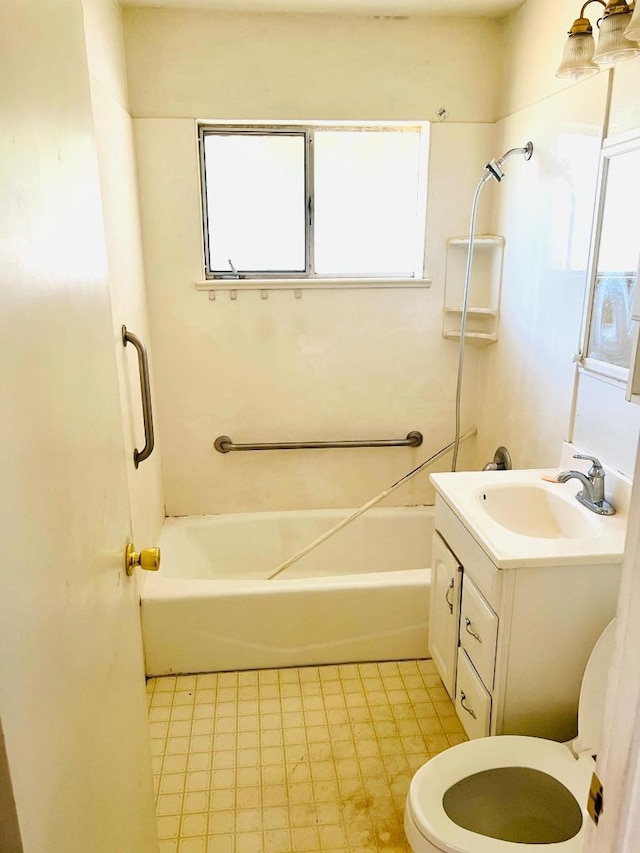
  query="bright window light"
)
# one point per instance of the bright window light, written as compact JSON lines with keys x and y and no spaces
{"x":366,"y":202}
{"x":314,"y":201}
{"x":255,"y":201}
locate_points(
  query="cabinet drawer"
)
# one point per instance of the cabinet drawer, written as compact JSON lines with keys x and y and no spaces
{"x":473,"y":702}
{"x":478,"y":631}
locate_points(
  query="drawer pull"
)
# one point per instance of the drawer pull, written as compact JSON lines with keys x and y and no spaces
{"x":467,"y":625}
{"x":468,"y":710}
{"x":446,"y":595}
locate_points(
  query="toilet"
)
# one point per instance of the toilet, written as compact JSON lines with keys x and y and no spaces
{"x":511,"y":793}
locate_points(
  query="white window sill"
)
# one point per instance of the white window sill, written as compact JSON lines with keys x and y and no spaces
{"x":610,"y":373}
{"x":301,"y":284}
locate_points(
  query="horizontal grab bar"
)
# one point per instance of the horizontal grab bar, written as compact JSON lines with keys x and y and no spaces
{"x":223,"y":443}
{"x":354,"y":515}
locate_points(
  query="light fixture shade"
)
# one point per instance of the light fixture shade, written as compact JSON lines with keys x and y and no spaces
{"x":577,"y":59}
{"x":613,"y":45}
{"x":633,"y":30}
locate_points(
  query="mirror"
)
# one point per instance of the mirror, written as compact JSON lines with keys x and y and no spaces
{"x":614,"y":268}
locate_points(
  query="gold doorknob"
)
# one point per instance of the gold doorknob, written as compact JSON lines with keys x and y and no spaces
{"x":148,"y":559}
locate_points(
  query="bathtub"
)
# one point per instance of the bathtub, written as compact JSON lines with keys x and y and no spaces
{"x":361,"y":596}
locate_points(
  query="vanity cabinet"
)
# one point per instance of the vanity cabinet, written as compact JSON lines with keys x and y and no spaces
{"x":444,"y":611}
{"x":511,"y":644}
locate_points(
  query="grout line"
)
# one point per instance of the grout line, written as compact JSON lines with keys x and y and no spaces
{"x":359,"y":731}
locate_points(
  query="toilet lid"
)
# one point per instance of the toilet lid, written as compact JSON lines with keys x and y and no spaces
{"x":593,"y":692}
{"x":432,"y":785}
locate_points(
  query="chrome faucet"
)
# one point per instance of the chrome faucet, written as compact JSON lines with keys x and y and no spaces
{"x":592,"y":493}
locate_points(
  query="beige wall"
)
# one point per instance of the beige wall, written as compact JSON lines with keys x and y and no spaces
{"x":332,"y":365}
{"x":274,"y":369}
{"x":534,"y":38}
{"x":603,"y":419}
{"x":210,"y":65}
{"x":118,"y":181}
{"x":527,"y":378}
{"x":625,"y":104}
{"x":531,"y":394}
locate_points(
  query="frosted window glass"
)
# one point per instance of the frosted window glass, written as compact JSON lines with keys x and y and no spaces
{"x":366,"y":202}
{"x":256,"y":203}
{"x":610,"y":335}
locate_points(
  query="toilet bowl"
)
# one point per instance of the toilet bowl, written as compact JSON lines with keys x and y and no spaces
{"x":511,"y":793}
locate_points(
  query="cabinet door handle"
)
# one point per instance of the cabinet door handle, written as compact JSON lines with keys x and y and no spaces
{"x":468,"y":710}
{"x":446,"y":595}
{"x":467,"y":627}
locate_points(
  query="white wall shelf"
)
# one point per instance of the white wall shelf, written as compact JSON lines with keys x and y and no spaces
{"x":484,"y":294}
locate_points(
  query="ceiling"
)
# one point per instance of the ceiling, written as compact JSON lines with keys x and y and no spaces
{"x":401,"y":8}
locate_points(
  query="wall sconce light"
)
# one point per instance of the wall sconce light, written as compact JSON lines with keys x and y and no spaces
{"x":618,"y":40}
{"x":633,"y":30}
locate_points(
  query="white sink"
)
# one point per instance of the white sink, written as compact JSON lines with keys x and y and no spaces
{"x":520,"y":519}
{"x":532,"y":510}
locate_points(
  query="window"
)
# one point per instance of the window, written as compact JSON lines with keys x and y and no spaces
{"x":614,"y":264}
{"x":312,"y":202}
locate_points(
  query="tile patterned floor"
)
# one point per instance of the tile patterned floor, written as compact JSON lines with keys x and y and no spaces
{"x":302,"y":760}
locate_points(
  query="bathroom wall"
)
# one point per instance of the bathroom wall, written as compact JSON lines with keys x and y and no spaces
{"x":527,"y":378}
{"x":531,"y":395}
{"x":118,"y":182}
{"x":237,"y":66}
{"x":333,"y":364}
{"x":273,"y":369}
{"x":603,"y":419}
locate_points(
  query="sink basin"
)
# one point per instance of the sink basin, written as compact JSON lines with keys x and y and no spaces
{"x":534,"y":510}
{"x":519,"y":518}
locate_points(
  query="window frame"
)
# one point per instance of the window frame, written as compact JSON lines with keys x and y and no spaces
{"x":603,"y":370}
{"x":307,"y":130}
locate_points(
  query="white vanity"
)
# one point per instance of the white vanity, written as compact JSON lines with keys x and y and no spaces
{"x":524,"y":580}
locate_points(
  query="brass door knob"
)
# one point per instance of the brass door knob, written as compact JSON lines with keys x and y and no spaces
{"x":148,"y":559}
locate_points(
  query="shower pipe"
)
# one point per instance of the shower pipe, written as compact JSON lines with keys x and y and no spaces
{"x":145,"y":392}
{"x":354,"y":515}
{"x":223,"y":443}
{"x":494,"y":170}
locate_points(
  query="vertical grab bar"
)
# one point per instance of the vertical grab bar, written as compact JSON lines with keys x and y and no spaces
{"x":145,"y":391}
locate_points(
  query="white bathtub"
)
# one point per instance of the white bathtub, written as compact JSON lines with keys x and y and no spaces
{"x":362,"y":595}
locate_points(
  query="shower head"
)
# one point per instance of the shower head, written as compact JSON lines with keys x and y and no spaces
{"x":494,"y":167}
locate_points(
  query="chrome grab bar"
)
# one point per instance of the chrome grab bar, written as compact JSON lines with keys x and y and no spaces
{"x":223,"y":444}
{"x":145,"y":391}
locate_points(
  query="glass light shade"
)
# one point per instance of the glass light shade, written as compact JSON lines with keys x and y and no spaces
{"x":633,"y":30}
{"x":613,"y":45}
{"x":577,"y":59}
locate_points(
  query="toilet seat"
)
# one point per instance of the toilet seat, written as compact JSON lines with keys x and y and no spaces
{"x":429,"y":828}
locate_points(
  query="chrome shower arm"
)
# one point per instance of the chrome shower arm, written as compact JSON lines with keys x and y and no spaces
{"x":494,"y":167}
{"x":526,"y":151}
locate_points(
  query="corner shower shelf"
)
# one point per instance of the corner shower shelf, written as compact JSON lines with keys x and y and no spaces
{"x":485,"y":290}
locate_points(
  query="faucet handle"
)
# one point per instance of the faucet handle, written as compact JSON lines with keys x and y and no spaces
{"x":596,"y":469}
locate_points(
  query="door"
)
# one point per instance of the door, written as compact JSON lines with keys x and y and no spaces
{"x":618,"y":762}
{"x":444,"y":612}
{"x":71,"y":676}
